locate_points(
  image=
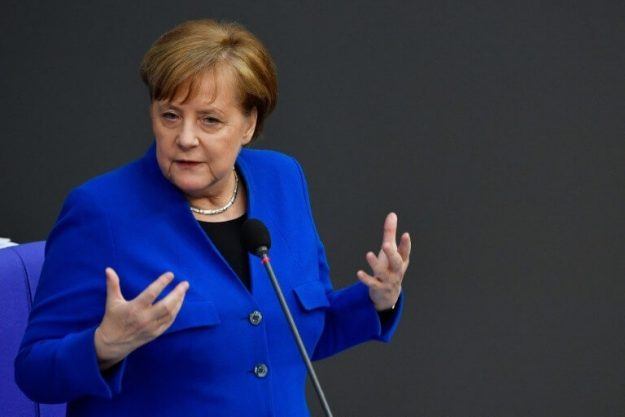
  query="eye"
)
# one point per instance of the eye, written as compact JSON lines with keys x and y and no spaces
{"x":210,"y":120}
{"x":169,"y":115}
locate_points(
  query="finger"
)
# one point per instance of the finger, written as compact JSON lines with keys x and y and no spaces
{"x":395,"y":262}
{"x":390,"y":229}
{"x":367,"y":279}
{"x":405,"y":246}
{"x":153,"y":290}
{"x":169,"y":306}
{"x":113,"y":290}
{"x":373,"y":261}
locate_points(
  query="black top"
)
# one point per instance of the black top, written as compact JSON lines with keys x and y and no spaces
{"x":226,"y":236}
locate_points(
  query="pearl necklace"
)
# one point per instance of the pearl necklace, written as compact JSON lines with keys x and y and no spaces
{"x":212,"y":212}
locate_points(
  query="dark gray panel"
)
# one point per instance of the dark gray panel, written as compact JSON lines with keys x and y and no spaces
{"x":494,"y":129}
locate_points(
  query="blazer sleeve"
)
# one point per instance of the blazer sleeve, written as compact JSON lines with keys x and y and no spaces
{"x":351,"y":317}
{"x":56,"y":361}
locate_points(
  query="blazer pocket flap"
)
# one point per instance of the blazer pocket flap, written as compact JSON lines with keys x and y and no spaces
{"x":312,"y":295}
{"x":195,"y":314}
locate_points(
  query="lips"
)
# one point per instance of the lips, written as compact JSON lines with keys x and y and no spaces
{"x":185,"y":162}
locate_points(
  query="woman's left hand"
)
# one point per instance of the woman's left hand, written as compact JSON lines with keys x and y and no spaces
{"x":388,"y":267}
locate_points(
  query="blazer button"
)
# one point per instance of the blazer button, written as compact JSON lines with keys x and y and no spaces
{"x":261,"y":370}
{"x":255,"y":317}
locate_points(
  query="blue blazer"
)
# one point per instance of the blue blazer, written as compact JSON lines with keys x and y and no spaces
{"x":220,"y":357}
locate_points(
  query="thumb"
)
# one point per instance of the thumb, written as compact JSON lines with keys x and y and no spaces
{"x":113,"y":290}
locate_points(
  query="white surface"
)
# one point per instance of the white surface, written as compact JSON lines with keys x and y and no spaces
{"x":5,"y":242}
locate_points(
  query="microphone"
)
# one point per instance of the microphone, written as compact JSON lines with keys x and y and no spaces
{"x":256,"y":239}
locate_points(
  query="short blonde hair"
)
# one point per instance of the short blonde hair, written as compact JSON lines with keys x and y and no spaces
{"x":183,"y":54}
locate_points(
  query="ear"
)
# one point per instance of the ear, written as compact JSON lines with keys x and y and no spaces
{"x":251,"y":126}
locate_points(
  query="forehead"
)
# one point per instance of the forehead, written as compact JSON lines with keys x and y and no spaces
{"x":217,"y":85}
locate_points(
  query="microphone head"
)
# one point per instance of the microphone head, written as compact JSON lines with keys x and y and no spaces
{"x":255,"y":237}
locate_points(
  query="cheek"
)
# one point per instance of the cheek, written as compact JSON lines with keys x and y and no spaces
{"x":219,"y":146}
{"x":165,"y":141}
{"x":161,"y":150}
{"x":164,"y":163}
{"x":164,"y":151}
{"x":160,"y":130}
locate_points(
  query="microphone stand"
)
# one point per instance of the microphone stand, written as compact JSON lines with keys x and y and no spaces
{"x":262,"y":253}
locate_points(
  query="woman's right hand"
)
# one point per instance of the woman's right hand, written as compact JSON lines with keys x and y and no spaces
{"x":128,"y":325}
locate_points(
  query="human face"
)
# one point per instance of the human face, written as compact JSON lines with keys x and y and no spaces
{"x":198,"y":139}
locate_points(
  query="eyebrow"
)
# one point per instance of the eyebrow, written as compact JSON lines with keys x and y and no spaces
{"x":205,"y":109}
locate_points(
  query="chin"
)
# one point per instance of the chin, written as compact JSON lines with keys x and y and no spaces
{"x":188,"y":187}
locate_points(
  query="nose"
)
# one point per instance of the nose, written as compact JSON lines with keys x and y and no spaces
{"x":187,"y":137}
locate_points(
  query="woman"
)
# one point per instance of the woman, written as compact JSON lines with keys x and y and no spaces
{"x":207,"y":336}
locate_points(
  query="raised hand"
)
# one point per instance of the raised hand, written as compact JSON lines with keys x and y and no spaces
{"x":127,"y":325}
{"x":388,"y":267}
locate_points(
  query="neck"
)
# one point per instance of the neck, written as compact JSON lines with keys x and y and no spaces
{"x":231,"y":203}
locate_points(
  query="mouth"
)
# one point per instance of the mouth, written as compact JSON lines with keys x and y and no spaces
{"x":183,"y":163}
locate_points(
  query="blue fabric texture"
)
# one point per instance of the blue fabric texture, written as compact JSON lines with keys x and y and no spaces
{"x":134,"y":220}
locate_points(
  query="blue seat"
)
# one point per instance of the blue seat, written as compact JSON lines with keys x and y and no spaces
{"x":20,"y":267}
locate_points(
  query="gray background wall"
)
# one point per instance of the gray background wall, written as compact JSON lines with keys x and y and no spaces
{"x":494,"y":129}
